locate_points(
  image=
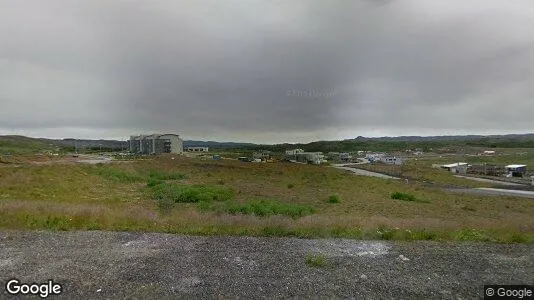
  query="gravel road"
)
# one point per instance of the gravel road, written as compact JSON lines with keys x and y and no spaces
{"x":362,"y":172}
{"x":111,"y":265}
{"x":494,"y":192}
{"x":496,"y":182}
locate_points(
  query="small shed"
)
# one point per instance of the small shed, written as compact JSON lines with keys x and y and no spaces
{"x":457,"y":168}
{"x":516,"y":170}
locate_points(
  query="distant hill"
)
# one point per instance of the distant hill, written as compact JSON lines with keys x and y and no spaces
{"x":217,"y":145}
{"x":22,"y":144}
{"x":119,"y":145}
{"x":93,"y":144}
{"x":517,"y":137}
{"x":424,"y":143}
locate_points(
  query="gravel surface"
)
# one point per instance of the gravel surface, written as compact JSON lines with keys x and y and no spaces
{"x":111,"y":265}
{"x":362,"y":172}
{"x":497,"y":182}
{"x":493,"y":192}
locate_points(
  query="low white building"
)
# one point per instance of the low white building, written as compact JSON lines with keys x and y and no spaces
{"x":457,"y":168}
{"x":372,"y":157}
{"x":516,"y":170}
{"x":345,"y":156}
{"x":262,"y":154}
{"x":315,"y":158}
{"x":197,"y":149}
{"x":392,"y":160}
{"x":294,"y":151}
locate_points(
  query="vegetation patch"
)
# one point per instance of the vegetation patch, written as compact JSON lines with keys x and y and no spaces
{"x":115,"y":174}
{"x":159,"y":175}
{"x":402,"y":196}
{"x":153,"y":182}
{"x":334,"y":199}
{"x":385,"y":233}
{"x":407,"y":197}
{"x":277,"y":231}
{"x":468,"y":208}
{"x":316,"y":260}
{"x":263,"y":208}
{"x":472,"y":235}
{"x":180,"y":193}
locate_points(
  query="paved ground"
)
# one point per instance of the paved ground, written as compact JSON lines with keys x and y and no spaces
{"x":498,"y":182}
{"x":96,"y":265}
{"x":361,"y":172}
{"x":495,"y":192}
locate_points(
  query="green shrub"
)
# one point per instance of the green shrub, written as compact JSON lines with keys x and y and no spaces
{"x":191,"y":193}
{"x":333,"y":199}
{"x":424,"y":235}
{"x":471,"y":235}
{"x":517,"y":238}
{"x":48,"y":222}
{"x":206,"y":205}
{"x":154,"y":182}
{"x":385,"y":233}
{"x":407,"y":197}
{"x":468,"y":208}
{"x":316,"y":260}
{"x":115,"y":174}
{"x":263,"y":208}
{"x":402,"y":196}
{"x":159,"y":175}
{"x":165,"y":205}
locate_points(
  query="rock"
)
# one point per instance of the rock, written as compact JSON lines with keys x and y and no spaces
{"x":403,"y":258}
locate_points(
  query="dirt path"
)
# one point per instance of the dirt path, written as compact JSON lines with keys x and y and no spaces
{"x":96,"y":265}
{"x":497,"y":182}
{"x":362,"y":172}
{"x":495,"y":192}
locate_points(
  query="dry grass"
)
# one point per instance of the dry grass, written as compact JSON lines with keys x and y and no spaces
{"x":68,"y":197}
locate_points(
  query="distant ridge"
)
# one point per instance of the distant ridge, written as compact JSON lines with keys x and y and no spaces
{"x":11,"y":142}
{"x":527,"y":136}
{"x":115,"y":144}
{"x":214,"y":144}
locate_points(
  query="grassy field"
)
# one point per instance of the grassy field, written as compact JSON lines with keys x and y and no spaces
{"x":228,"y":197}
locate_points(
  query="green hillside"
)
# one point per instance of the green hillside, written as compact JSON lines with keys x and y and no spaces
{"x":16,"y":144}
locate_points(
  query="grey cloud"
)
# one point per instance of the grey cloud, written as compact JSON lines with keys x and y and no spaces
{"x":266,"y":71}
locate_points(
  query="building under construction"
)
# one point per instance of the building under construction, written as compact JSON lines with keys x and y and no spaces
{"x":156,"y":144}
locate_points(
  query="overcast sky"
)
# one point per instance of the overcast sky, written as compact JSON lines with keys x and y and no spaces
{"x":266,"y":71}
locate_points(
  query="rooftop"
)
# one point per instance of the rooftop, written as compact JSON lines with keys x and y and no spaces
{"x":515,"y":166}
{"x":454,"y":165}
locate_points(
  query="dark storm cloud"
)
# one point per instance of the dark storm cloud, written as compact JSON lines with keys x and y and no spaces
{"x":266,"y":71}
